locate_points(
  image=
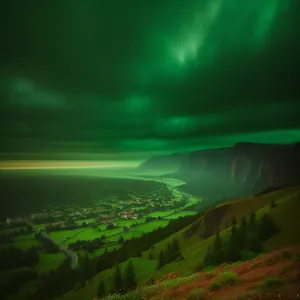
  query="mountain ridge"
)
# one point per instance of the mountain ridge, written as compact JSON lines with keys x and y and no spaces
{"x":241,"y":170}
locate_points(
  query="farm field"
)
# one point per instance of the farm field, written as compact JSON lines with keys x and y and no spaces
{"x":181,"y":214}
{"x":125,"y":222}
{"x":147,"y":227}
{"x":161,"y":213}
{"x":126,"y":236}
{"x":49,"y":261}
{"x":25,"y":244}
{"x":5,"y":231}
{"x":60,"y":236}
{"x":137,"y":208}
{"x":90,"y":220}
{"x":22,"y":241}
{"x":102,"y":250}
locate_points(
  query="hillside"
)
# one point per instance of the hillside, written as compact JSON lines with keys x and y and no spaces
{"x":274,"y":273}
{"x":194,"y":247}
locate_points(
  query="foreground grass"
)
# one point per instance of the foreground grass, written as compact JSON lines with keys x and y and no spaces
{"x":242,"y":282}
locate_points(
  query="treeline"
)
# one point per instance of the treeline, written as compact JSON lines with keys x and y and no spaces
{"x":244,"y":243}
{"x":12,"y":257}
{"x":6,"y":235}
{"x":122,"y":284}
{"x":57,"y":227}
{"x":13,"y":282}
{"x":64,"y":279}
{"x":171,"y":254}
{"x":88,"y":246}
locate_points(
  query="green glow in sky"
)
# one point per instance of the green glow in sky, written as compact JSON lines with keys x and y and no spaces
{"x":94,"y":80}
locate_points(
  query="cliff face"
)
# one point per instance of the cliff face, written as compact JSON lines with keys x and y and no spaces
{"x":244,"y":169}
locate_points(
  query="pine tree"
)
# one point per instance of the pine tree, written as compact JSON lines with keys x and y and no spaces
{"x":233,"y":247}
{"x":118,"y":278}
{"x":101,"y":289}
{"x":242,"y":233}
{"x":161,"y":259}
{"x":217,"y":250}
{"x":266,"y":228}
{"x":130,"y":276}
{"x":252,"y":240}
{"x":233,"y":222}
{"x":121,"y":240}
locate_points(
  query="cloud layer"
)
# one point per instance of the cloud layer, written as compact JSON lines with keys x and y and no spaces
{"x":136,"y":77}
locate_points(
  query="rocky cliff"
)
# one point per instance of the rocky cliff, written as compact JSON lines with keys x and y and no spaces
{"x":243,"y":169}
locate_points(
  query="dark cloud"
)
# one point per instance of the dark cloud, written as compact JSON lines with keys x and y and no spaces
{"x":88,"y":76}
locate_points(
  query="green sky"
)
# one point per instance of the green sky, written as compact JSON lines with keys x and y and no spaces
{"x":121,"y":79}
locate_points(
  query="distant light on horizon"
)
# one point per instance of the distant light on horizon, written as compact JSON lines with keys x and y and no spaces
{"x":26,"y":164}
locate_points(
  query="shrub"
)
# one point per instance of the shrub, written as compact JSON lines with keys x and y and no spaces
{"x":210,"y":274}
{"x":215,"y":285}
{"x":248,"y":255}
{"x":286,"y":255}
{"x":283,"y":269}
{"x":228,"y":278}
{"x":254,"y":265}
{"x":208,"y":268}
{"x":152,"y":290}
{"x":157,"y":297}
{"x":296,"y":258}
{"x":270,"y":283}
{"x":196,"y":294}
{"x":270,"y":262}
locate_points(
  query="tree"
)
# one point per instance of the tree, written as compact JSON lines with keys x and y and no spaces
{"x":266,"y":228}
{"x":176,"y":248}
{"x":118,"y":278}
{"x":233,"y":246}
{"x":215,"y":253}
{"x":218,"y":249}
{"x":252,"y":240}
{"x":161,"y":259}
{"x":273,"y":204}
{"x":233,"y":221}
{"x":121,"y":240}
{"x":130,"y":276}
{"x":241,"y":233}
{"x":101,"y":289}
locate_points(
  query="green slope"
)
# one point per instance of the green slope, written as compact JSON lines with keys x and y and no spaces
{"x":285,"y":214}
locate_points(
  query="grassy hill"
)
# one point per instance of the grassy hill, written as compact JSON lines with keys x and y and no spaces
{"x":201,"y":236}
{"x":274,"y":272}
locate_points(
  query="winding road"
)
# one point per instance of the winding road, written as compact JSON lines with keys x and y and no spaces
{"x":68,"y":252}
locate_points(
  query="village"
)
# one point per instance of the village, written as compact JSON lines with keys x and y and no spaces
{"x":106,"y":211}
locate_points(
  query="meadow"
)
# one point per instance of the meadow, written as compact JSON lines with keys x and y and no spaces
{"x":162,"y":213}
{"x":181,"y":214}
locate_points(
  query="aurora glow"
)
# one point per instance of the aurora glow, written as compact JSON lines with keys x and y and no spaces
{"x":99,"y":81}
